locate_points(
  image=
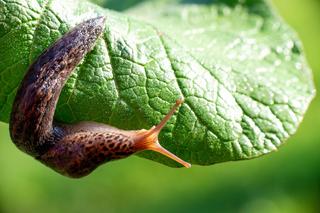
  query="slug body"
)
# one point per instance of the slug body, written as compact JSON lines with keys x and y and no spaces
{"x":72,"y":150}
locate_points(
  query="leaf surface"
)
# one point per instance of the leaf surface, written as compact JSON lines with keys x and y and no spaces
{"x":240,"y":69}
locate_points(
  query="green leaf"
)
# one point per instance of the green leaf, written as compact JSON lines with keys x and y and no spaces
{"x":240,"y":69}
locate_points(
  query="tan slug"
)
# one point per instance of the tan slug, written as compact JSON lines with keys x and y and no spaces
{"x":72,"y":150}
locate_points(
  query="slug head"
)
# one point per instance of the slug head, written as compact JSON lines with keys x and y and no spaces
{"x":148,"y":139}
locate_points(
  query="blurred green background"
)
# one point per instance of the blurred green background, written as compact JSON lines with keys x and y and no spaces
{"x":285,"y":181}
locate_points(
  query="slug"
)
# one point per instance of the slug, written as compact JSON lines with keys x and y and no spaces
{"x":73,"y":150}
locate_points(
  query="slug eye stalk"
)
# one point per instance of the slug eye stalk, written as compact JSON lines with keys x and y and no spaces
{"x":148,"y":139}
{"x":72,"y":150}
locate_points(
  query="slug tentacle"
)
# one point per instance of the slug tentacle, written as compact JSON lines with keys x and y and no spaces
{"x":72,"y":150}
{"x":148,"y":139}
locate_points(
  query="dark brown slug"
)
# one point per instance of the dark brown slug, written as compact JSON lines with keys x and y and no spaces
{"x":72,"y":150}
